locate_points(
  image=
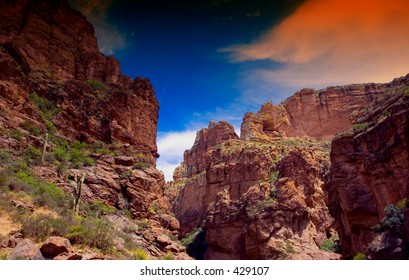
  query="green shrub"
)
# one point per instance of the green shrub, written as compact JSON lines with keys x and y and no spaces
{"x":99,"y":208}
{"x":139,"y":254}
{"x":4,"y":157}
{"x":47,"y":107}
{"x":168,"y":256}
{"x":92,"y":232}
{"x":402,"y":204}
{"x":32,"y":154}
{"x":359,"y":126}
{"x":4,"y":256}
{"x":47,"y":110}
{"x":393,"y":220}
{"x":16,"y":134}
{"x":126,"y":174}
{"x":101,"y":148}
{"x":331,"y":246}
{"x":360,"y":256}
{"x":141,"y":165}
{"x":95,"y":84}
{"x":44,"y":193}
{"x":74,"y":155}
{"x":30,"y":127}
{"x":39,"y":227}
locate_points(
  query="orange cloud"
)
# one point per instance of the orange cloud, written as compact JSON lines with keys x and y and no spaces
{"x":335,"y":41}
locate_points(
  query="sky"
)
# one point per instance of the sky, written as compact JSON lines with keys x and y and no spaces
{"x":218,"y":59}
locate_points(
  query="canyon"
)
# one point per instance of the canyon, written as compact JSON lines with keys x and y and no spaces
{"x":322,"y":175}
{"x":318,"y":169}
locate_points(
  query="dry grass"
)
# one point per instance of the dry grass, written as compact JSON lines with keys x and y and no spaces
{"x":6,"y":224}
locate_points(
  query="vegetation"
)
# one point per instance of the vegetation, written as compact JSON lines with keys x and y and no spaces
{"x":100,"y":89}
{"x":331,"y":246}
{"x":195,"y":243}
{"x":139,"y":254}
{"x":4,"y":157}
{"x":30,"y":127}
{"x":359,"y":126}
{"x":46,"y":109}
{"x":360,"y":256}
{"x":393,"y":220}
{"x":72,"y":155}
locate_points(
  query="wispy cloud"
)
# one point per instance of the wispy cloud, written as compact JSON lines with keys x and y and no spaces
{"x":171,"y":146}
{"x":109,"y":37}
{"x":327,"y":42}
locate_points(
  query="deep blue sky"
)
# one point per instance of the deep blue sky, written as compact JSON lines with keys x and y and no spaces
{"x":176,"y":45}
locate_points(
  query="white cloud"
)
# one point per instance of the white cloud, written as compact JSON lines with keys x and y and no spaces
{"x":171,"y":146}
{"x":328,"y":42}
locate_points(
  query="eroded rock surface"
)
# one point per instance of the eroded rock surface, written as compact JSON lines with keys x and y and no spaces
{"x":254,"y":199}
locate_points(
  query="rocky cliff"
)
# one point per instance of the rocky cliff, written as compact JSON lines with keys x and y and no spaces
{"x":50,"y":49}
{"x":369,"y":178}
{"x":316,"y":114}
{"x":66,"y":110}
{"x":254,"y":199}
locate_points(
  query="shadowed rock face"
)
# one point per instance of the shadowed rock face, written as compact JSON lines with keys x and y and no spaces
{"x":370,"y":171}
{"x":253,"y":199}
{"x":310,"y":113}
{"x":48,"y":48}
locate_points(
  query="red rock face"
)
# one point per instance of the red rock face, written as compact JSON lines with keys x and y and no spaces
{"x":309,"y":113}
{"x":48,"y":48}
{"x":253,"y":199}
{"x":51,"y":50}
{"x":370,"y":170}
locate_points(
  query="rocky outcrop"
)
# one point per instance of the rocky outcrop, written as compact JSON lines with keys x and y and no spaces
{"x":315,"y":114}
{"x":48,"y":48}
{"x":54,"y":81}
{"x":26,"y":250}
{"x":55,"y":246}
{"x":369,"y":171}
{"x":253,"y":199}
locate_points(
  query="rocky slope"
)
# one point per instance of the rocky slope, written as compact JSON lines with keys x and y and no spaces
{"x":369,"y":175}
{"x":58,"y":92}
{"x":310,"y":113}
{"x":254,"y":199}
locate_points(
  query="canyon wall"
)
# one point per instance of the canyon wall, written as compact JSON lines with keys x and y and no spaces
{"x":369,"y":171}
{"x":316,"y":114}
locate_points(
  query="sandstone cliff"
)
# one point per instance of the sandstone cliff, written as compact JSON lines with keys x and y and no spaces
{"x":369,"y":171}
{"x":58,"y":92}
{"x":255,"y":199}
{"x":309,"y":113}
{"x":50,"y":49}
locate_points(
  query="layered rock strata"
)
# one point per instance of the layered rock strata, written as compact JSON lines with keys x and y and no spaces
{"x":315,"y":114}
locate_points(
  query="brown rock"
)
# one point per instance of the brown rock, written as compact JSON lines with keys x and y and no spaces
{"x":370,"y":170}
{"x":258,"y":199}
{"x":309,"y":113}
{"x":125,"y":161}
{"x":163,"y":240}
{"x":55,"y":246}
{"x":25,"y":250}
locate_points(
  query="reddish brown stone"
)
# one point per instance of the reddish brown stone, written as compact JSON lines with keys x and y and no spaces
{"x":55,"y":246}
